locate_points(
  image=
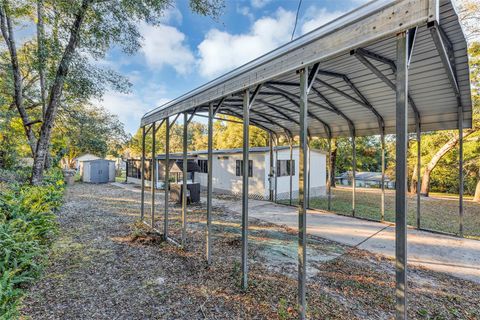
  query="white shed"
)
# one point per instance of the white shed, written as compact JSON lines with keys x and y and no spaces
{"x":98,"y":171}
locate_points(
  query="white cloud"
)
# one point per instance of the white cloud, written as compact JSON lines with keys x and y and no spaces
{"x":316,"y":17}
{"x":245,"y":11}
{"x":132,"y":106}
{"x":171,"y":16}
{"x":221,"y":51}
{"x":259,"y":3}
{"x":165,"y":45}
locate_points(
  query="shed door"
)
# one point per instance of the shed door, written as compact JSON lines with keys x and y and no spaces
{"x":94,"y":172}
{"x":104,"y":169}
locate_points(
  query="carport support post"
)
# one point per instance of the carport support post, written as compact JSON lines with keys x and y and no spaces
{"x":152,"y":174}
{"x":184,"y":182}
{"x":382,"y":141}
{"x":400,"y":177}
{"x":210,"y":183}
{"x":270,"y":172}
{"x":291,"y":169}
{"x":308,"y":175}
{"x":419,"y":168}
{"x":460,"y":169}
{"x":167,"y":175}
{"x":142,"y":204}
{"x":246,"y":145}
{"x":276,"y":168}
{"x":302,"y":186}
{"x":354,"y":172}
{"x":329,"y":182}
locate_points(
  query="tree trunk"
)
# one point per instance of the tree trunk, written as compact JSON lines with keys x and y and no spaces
{"x":41,"y":53}
{"x":476,"y":197}
{"x":55,"y":95}
{"x":413,"y":181}
{"x":7,"y":33}
{"x":425,"y":189}
{"x":333,"y":158}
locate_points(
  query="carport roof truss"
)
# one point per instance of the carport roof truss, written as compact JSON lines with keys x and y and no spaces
{"x":352,"y":73}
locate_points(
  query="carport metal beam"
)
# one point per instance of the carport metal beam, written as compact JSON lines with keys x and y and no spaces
{"x":302,"y":203}
{"x":369,"y":25}
{"x":210,"y":182}
{"x":152,"y":175}
{"x":358,"y":54}
{"x":167,"y":176}
{"x":277,"y":142}
{"x":354,"y":173}
{"x":419,"y":169}
{"x":382,"y":205}
{"x":270,"y":171}
{"x":292,"y":167}
{"x":142,"y":200}
{"x":246,"y":146}
{"x":400,"y":176}
{"x":290,"y":96}
{"x":184,"y":180}
{"x":329,"y":182}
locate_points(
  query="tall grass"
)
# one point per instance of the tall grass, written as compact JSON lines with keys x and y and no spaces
{"x":27,"y":228}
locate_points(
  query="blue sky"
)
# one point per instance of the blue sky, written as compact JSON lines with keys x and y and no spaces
{"x":187,"y":50}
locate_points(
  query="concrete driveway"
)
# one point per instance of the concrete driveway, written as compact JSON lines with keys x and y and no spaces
{"x":456,"y":256}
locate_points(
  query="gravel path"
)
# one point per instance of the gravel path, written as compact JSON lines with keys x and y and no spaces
{"x":106,"y":266}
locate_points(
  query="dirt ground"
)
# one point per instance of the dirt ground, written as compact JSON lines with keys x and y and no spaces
{"x":105,"y":265}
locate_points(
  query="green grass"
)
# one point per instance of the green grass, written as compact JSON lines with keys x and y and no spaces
{"x":122,"y":177}
{"x":439,"y":212}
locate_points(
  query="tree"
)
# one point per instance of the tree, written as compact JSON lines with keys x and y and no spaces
{"x":469,"y":15}
{"x":451,"y":143}
{"x":80,"y":31}
{"x":87,"y":129}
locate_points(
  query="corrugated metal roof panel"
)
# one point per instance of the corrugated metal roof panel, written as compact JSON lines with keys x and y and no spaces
{"x":429,"y":85}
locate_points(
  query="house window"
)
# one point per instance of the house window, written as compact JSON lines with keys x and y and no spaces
{"x":203,"y":164}
{"x":239,"y":168}
{"x":134,"y":168}
{"x":284,"y":167}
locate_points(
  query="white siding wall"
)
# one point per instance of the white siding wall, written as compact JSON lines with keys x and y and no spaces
{"x":317,"y":174}
{"x":225,"y":179}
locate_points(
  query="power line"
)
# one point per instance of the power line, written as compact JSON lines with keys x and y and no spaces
{"x":296,"y":19}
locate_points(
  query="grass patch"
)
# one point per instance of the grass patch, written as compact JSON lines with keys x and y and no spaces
{"x":439,"y":212}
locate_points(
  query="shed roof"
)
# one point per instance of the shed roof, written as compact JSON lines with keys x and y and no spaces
{"x":354,"y":62}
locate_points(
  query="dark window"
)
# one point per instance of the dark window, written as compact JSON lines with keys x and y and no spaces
{"x":284,"y":167}
{"x":239,"y":168}
{"x":203,"y":164}
{"x":134,"y":169}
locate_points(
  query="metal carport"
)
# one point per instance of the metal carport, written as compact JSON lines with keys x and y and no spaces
{"x":388,"y":67}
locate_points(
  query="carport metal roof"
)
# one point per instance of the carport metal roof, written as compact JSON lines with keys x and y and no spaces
{"x":353,"y":59}
{"x":349,"y":83}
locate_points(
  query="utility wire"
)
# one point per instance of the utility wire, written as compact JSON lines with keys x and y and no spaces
{"x":296,"y":19}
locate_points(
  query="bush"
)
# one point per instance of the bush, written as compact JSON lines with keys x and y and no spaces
{"x":27,"y":228}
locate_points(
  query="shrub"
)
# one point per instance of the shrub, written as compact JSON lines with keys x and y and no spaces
{"x":27,"y":228}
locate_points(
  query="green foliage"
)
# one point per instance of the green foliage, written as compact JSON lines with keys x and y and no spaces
{"x":27,"y":227}
{"x":226,"y":135}
{"x":87,"y":129}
